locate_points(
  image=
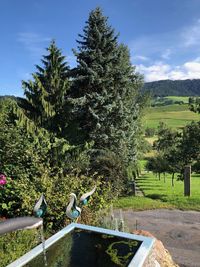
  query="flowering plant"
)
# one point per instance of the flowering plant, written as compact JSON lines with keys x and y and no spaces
{"x":2,"y":179}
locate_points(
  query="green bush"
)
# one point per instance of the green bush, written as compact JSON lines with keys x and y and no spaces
{"x":149,"y":132}
{"x":19,"y":196}
{"x":40,"y":163}
{"x":14,"y":245}
{"x":112,"y":169}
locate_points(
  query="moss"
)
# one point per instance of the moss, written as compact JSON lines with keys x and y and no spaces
{"x":129,"y":249}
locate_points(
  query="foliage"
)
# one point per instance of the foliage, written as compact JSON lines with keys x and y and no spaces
{"x":175,"y":150}
{"x":194,"y":104}
{"x":105,"y":90}
{"x":45,"y":102}
{"x":110,"y":166}
{"x":74,"y":129}
{"x":157,"y":164}
{"x":149,"y":132}
{"x":33,"y":168}
{"x":190,"y":144}
{"x":169,"y":100}
{"x":15,"y":244}
{"x":196,"y":166}
{"x":167,"y":138}
{"x":144,"y":147}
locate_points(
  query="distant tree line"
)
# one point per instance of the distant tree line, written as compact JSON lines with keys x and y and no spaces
{"x":175,"y":88}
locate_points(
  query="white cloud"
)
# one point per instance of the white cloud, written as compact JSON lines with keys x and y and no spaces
{"x":179,"y":42}
{"x":162,"y":71}
{"x":140,"y":57}
{"x":33,"y":42}
{"x":148,"y":46}
{"x":154,"y":72}
{"x":166,"y":54}
{"x":191,"y":34}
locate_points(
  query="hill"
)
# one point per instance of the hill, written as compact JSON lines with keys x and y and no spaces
{"x":175,"y":116}
{"x":173,"y":88}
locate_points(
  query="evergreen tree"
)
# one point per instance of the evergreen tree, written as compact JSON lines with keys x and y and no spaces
{"x":45,"y":94}
{"x":194,"y":104}
{"x":129,"y":104}
{"x":105,"y":89}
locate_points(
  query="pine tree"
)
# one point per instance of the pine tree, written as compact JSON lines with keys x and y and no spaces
{"x":45,"y":94}
{"x":105,"y":89}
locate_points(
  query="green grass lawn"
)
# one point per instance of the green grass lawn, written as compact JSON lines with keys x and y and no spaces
{"x":175,"y":116}
{"x":162,"y":195}
{"x":140,"y":203}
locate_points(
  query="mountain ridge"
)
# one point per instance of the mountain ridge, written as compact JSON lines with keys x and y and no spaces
{"x":173,"y":87}
{"x":188,"y":87}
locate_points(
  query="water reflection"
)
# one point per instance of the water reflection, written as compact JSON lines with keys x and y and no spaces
{"x":87,"y":248}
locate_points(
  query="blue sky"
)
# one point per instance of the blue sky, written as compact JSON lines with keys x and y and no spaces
{"x":163,"y":35}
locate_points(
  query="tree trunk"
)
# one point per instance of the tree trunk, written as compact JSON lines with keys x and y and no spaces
{"x":187,"y":180}
{"x":164,"y":178}
{"x":173,"y":179}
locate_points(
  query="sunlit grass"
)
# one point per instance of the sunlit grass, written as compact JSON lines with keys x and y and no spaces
{"x":140,"y":203}
{"x":163,"y":191}
{"x":175,"y":116}
{"x":160,"y":194}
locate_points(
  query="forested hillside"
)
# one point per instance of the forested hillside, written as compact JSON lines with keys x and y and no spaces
{"x":169,"y":87}
{"x":176,"y":88}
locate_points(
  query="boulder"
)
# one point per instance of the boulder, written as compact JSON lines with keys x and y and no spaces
{"x":159,"y":255}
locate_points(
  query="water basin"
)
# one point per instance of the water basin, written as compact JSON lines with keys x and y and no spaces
{"x":79,"y":245}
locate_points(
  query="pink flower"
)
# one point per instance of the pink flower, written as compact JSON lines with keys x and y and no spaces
{"x":2,"y":182}
{"x":2,"y":179}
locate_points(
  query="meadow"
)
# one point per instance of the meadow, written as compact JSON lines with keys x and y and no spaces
{"x":160,"y":194}
{"x":175,"y":116}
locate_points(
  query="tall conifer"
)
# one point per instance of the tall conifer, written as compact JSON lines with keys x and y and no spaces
{"x":105,"y":89}
{"x":45,"y":94}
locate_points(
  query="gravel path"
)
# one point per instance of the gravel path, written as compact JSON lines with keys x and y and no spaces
{"x":178,"y":230}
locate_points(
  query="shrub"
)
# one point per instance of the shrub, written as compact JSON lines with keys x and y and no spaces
{"x":36,"y":164}
{"x":149,"y":132}
{"x":14,"y":245}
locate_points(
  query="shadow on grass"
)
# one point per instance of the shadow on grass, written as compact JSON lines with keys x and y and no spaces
{"x":146,"y":187}
{"x":157,"y":196}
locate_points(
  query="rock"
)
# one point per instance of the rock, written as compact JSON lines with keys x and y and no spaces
{"x":159,"y":255}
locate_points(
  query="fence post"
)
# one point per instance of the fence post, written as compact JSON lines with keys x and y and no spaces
{"x":187,"y":178}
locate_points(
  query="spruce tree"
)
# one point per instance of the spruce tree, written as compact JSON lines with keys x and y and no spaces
{"x":45,"y":93}
{"x":105,"y":89}
{"x":97,"y":53}
{"x":129,"y":104}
